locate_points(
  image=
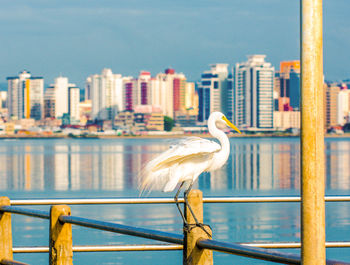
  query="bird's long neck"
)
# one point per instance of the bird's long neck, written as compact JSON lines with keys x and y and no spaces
{"x":221,"y":156}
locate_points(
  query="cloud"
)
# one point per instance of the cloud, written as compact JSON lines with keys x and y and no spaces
{"x":83,"y":36}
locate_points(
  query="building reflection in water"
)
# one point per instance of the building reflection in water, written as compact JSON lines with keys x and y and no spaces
{"x":338,"y":165}
{"x":254,"y":164}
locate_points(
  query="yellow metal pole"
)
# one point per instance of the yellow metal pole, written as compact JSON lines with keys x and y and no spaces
{"x":312,"y":135}
{"x":192,"y":254}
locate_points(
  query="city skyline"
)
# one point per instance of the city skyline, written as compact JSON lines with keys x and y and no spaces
{"x":132,"y":36}
{"x":253,"y":95}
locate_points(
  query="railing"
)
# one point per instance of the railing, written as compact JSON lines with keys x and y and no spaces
{"x":196,"y":245}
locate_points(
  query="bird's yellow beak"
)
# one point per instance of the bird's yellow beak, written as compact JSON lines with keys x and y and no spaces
{"x":231,"y":124}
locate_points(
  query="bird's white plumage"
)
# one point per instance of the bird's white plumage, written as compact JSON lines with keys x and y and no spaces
{"x":188,"y":159}
{"x":179,"y":163}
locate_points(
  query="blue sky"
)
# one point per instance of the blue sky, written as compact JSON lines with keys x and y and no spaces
{"x":79,"y":38}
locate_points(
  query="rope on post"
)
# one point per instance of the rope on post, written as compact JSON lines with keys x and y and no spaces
{"x":61,"y":243}
{"x":191,"y":253}
{"x":5,"y":232}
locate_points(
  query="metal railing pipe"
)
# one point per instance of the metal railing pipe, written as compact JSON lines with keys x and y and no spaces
{"x":102,"y":248}
{"x":246,"y":251}
{"x":99,"y":248}
{"x":245,"y":199}
{"x":127,"y":248}
{"x":24,"y":211}
{"x":124,"y":229}
{"x":94,"y":201}
{"x":258,"y":253}
{"x":11,"y":262}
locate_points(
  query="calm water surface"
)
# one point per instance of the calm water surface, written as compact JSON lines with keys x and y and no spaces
{"x":108,"y":168}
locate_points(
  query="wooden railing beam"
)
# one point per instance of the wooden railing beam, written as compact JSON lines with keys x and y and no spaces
{"x":61,"y":243}
{"x":192,"y":255}
{"x":5,"y":232}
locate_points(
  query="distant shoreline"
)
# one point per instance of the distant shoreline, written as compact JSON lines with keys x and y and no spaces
{"x":49,"y":137}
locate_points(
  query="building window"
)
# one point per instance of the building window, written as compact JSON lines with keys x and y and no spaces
{"x":216,"y":84}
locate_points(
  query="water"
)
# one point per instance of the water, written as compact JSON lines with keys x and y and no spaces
{"x":78,"y":168}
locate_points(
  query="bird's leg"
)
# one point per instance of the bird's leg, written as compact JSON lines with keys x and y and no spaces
{"x":201,"y":225}
{"x":177,"y":203}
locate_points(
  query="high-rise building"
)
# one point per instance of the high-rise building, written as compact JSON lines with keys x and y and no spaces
{"x":49,"y":102}
{"x":87,"y":94}
{"x":61,"y":88}
{"x":294,"y":89}
{"x":191,"y":99}
{"x":343,"y":107}
{"x":130,"y":93}
{"x":138,"y":91}
{"x":106,"y":92}
{"x":287,"y":80}
{"x":213,"y":91}
{"x":169,"y":92}
{"x":25,"y":96}
{"x":73,"y":103}
{"x":286,"y":67}
{"x":58,"y":99}
{"x":253,"y":93}
{"x":330,"y":104}
{"x":3,"y":100}
{"x":144,"y":88}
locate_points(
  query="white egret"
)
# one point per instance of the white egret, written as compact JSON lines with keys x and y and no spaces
{"x":184,"y":162}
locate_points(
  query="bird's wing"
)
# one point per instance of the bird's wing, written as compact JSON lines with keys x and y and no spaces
{"x":169,"y":167}
{"x":185,"y":149}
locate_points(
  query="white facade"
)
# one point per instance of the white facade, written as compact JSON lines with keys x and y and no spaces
{"x":190,"y":96}
{"x":3,"y":99}
{"x":74,"y":99}
{"x":163,"y":91}
{"x":106,"y":92}
{"x":343,"y":108}
{"x":253,"y":93}
{"x":61,"y":96}
{"x":286,"y":119}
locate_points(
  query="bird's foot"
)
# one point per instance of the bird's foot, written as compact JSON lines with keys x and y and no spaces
{"x":189,"y":227}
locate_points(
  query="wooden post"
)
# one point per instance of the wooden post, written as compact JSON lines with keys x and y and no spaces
{"x":313,"y":248}
{"x":5,"y":232}
{"x":192,"y":254}
{"x":61,"y":246}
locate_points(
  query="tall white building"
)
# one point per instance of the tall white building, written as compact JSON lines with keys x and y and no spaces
{"x":73,"y":103}
{"x":25,"y":96}
{"x":213,"y":91}
{"x":61,"y":87}
{"x":343,"y":108}
{"x":191,"y":99}
{"x":253,"y":93}
{"x":62,"y":98}
{"x":106,"y":93}
{"x":164,"y":92}
{"x":3,"y":99}
{"x":169,"y":92}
